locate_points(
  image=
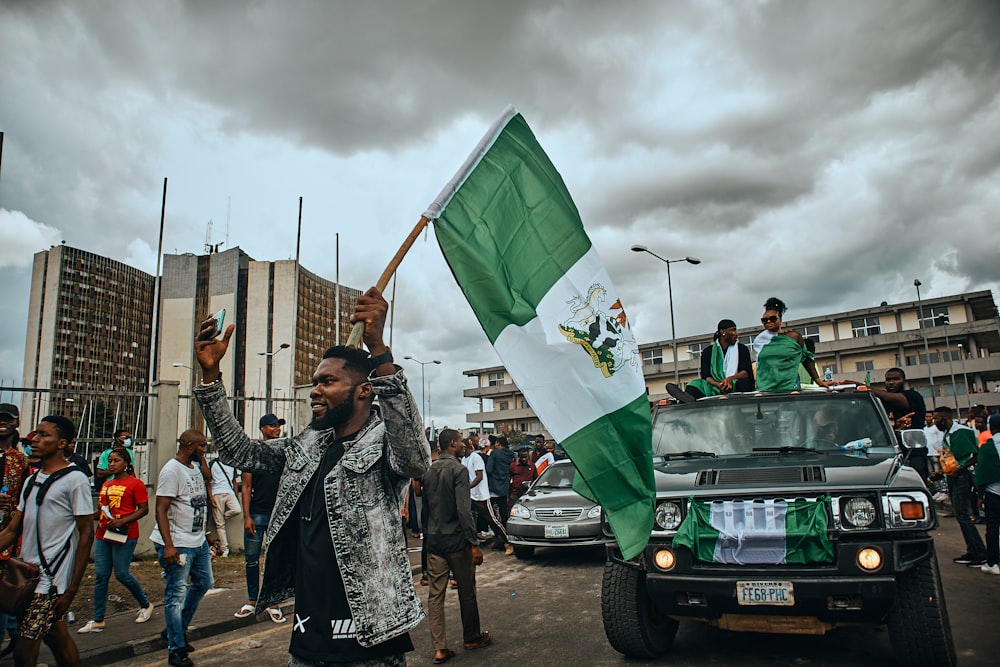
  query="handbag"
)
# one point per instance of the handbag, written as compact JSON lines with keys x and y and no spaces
{"x":948,"y":462}
{"x":17,"y":585}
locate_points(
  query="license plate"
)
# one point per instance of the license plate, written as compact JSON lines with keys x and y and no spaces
{"x":775,"y":593}
{"x":557,"y":530}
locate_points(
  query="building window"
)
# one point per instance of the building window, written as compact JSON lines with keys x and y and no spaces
{"x":866,"y":326}
{"x":696,"y":348}
{"x":934,"y":316}
{"x":504,"y":405}
{"x":864,"y":365}
{"x":652,"y":357}
{"x":829,"y":371}
{"x":494,"y":379}
{"x":747,"y":339}
{"x":811,"y":332}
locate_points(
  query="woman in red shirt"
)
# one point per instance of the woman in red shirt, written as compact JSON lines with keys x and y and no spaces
{"x":123,"y":502}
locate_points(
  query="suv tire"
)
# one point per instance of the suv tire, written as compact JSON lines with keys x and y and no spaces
{"x":918,"y":625}
{"x":631,"y":622}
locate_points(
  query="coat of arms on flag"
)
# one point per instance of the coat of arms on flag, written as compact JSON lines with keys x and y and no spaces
{"x":607,"y":338}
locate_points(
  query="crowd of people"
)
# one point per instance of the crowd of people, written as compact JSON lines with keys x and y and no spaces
{"x":333,"y":492}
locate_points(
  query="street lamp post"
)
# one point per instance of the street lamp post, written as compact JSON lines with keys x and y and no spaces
{"x":927,"y":349}
{"x":425,"y":406}
{"x":270,"y":363}
{"x":944,"y":320}
{"x":965,"y":376}
{"x":670,"y":296}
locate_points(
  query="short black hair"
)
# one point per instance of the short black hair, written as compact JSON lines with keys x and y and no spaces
{"x":448,"y":436}
{"x":355,"y":359}
{"x":944,"y":409}
{"x":774,"y":303}
{"x":64,"y":427}
{"x":119,"y":431}
{"x":901,"y":372}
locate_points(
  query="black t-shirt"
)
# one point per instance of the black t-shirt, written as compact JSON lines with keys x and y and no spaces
{"x":324,"y":629}
{"x":263,"y":492}
{"x":917,"y":407}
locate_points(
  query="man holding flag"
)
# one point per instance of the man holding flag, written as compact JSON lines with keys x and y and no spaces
{"x":515,"y":243}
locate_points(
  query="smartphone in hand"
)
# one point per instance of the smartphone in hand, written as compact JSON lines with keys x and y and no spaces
{"x":220,"y":322}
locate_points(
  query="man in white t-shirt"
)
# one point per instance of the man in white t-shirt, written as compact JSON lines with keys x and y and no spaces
{"x":478,"y":486}
{"x":57,"y":513}
{"x":180,"y":541}
{"x":224,"y":501}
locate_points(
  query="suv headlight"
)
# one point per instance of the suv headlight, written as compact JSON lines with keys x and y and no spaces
{"x":858,"y":512}
{"x":594,"y":512}
{"x":668,"y":515}
{"x":520,"y":511}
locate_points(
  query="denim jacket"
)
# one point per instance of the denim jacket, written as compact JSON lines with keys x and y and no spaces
{"x":364,"y":495}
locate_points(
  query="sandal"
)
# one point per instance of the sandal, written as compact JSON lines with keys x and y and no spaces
{"x":276,"y":615}
{"x":448,"y":655}
{"x":485,"y":638}
{"x":246,"y":610}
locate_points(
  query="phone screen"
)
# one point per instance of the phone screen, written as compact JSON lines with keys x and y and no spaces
{"x":220,"y":321}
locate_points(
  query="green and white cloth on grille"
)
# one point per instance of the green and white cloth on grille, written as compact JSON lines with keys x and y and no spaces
{"x":768,"y":532}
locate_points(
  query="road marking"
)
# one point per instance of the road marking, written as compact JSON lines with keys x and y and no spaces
{"x":205,"y":651}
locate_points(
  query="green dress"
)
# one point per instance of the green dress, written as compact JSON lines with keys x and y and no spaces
{"x":778,"y":364}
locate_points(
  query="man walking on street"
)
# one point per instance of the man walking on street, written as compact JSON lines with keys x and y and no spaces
{"x":498,"y":480}
{"x":180,"y":541}
{"x":57,"y":514}
{"x":224,"y":502}
{"x":961,"y":440}
{"x":259,"y":491}
{"x":15,"y":467}
{"x":452,"y":545}
{"x":988,"y":483}
{"x":335,"y":540}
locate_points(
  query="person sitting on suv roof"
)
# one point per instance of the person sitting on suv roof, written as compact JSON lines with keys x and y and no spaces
{"x":780,"y":352}
{"x":725,"y":366}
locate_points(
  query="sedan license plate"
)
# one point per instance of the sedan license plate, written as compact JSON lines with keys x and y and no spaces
{"x":556,"y":530}
{"x":776,"y":593}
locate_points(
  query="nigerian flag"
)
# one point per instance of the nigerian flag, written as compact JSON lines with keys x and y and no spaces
{"x":769,"y":532}
{"x":513,"y":238}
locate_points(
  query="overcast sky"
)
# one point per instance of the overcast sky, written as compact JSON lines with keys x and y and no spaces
{"x":826,"y":153}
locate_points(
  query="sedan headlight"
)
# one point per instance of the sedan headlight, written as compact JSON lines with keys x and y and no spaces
{"x":668,"y":515}
{"x":520,"y":511}
{"x":858,"y":512}
{"x":594,"y":512}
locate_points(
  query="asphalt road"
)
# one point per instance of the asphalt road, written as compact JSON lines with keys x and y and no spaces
{"x":547,"y":611}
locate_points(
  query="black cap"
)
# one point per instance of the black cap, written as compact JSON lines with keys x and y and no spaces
{"x":269,"y":419}
{"x":10,"y":409}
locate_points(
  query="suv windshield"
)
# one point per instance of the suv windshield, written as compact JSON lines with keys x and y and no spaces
{"x":738,"y":426}
{"x":557,"y":476}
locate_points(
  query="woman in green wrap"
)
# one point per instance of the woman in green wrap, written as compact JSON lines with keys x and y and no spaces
{"x":781,"y":352}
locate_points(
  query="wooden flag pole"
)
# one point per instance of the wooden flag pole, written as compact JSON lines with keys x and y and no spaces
{"x":354,"y":340}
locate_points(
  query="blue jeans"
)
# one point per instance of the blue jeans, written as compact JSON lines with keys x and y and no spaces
{"x":181,"y":599}
{"x":108,"y":556}
{"x":251,"y":554}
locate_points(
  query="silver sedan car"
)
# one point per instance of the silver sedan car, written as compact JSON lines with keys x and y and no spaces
{"x":552,"y":514}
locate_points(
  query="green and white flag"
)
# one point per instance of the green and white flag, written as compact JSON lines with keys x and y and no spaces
{"x":514,"y":240}
{"x":770,"y":532}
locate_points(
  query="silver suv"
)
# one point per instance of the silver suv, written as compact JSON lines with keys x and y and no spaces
{"x":789,"y":513}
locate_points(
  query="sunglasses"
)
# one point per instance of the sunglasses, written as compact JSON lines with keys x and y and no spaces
{"x":772,"y":318}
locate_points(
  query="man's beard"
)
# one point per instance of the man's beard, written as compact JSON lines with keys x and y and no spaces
{"x":336,"y":415}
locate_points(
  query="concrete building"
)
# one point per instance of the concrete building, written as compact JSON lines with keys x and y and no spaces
{"x":88,"y":340}
{"x":963,"y":342}
{"x":285,"y":318}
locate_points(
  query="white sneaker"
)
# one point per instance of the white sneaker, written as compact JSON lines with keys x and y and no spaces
{"x":225,"y":552}
{"x":144,"y":613}
{"x":91,"y":626}
{"x":990,"y":569}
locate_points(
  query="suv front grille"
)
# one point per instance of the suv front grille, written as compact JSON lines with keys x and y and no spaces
{"x":761,"y":476}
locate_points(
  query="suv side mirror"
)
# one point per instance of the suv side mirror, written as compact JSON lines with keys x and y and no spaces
{"x":912,"y":438}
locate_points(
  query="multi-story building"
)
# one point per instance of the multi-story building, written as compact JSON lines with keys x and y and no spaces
{"x":285,"y":317}
{"x":90,"y":321}
{"x":958,"y":366}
